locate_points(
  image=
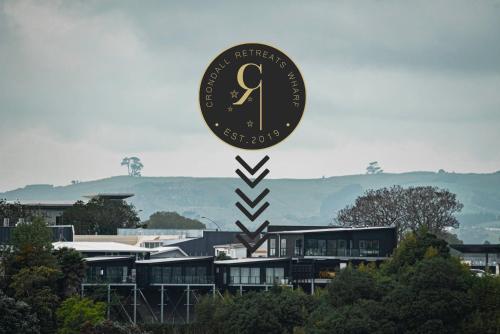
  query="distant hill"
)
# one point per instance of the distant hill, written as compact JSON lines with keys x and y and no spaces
{"x":293,"y":201}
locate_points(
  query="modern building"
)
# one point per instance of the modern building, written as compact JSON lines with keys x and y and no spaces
{"x":52,"y":211}
{"x":480,"y":256}
{"x":59,"y":233}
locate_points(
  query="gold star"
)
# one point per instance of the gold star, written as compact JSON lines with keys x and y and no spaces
{"x":250,"y":124}
{"x":229,"y":109}
{"x":250,"y":99}
{"x":234,"y":94}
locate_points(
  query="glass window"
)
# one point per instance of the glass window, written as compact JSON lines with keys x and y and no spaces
{"x":341,"y":249}
{"x":283,"y":247}
{"x":272,"y":247}
{"x":331,"y":248}
{"x":234,"y":275}
{"x":245,"y":275}
{"x":274,"y":275}
{"x":298,"y":247}
{"x":321,"y":247}
{"x":255,"y":275}
{"x":311,"y":247}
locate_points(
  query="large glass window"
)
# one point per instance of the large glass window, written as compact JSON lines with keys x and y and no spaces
{"x":298,"y":248}
{"x":234,"y":275}
{"x":272,"y":247}
{"x":311,"y":247}
{"x":331,"y":248}
{"x":245,"y":275}
{"x":341,"y":249}
{"x":369,"y":247}
{"x":274,"y":275}
{"x":255,"y":275}
{"x":322,"y":247}
{"x":283,"y":247}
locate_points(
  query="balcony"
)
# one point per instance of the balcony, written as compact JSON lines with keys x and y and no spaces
{"x":108,"y":279}
{"x":203,"y":279}
{"x":342,"y":252}
{"x":254,"y":280}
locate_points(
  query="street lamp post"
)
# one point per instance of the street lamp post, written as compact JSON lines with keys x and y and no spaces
{"x":213,"y":222}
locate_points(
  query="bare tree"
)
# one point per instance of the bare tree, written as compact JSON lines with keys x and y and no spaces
{"x":407,"y":208}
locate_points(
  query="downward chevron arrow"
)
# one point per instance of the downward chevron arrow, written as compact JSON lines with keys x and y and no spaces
{"x":255,"y":234}
{"x":256,"y":201}
{"x":249,"y":247}
{"x":255,"y":182}
{"x":248,"y":214}
{"x":250,"y":169}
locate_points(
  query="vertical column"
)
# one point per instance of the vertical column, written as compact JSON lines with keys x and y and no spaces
{"x":188,"y":292}
{"x":135,"y":304}
{"x":109,"y":301}
{"x":161,"y":303}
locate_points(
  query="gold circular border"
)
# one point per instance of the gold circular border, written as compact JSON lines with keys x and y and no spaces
{"x":208,"y":126}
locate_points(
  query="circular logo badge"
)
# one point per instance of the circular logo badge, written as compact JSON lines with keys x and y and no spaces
{"x":252,"y":96}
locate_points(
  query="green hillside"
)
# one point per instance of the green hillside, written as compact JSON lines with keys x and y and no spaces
{"x":293,"y":201}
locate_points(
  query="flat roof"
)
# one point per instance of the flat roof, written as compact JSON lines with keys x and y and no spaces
{"x":477,"y":248}
{"x":110,"y":195}
{"x":173,"y":259}
{"x":252,"y":260}
{"x":96,"y":246}
{"x":334,"y":229}
{"x":106,"y":258}
{"x":44,"y":204}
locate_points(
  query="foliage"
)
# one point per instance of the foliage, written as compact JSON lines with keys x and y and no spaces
{"x":36,"y":286}
{"x":31,"y":245}
{"x":277,"y":311}
{"x":13,"y":211}
{"x":407,"y":208}
{"x":172,"y":220}
{"x":422,"y":289}
{"x":134,"y":165}
{"x":374,"y":168}
{"x":413,"y":249}
{"x":101,"y":216}
{"x":72,"y":266}
{"x":75,"y":313}
{"x":16,"y":317}
{"x":108,"y":327}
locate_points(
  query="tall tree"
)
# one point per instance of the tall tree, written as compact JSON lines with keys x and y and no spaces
{"x":101,"y":216}
{"x":135,"y":166}
{"x":72,"y":267}
{"x":37,"y":287}
{"x":407,"y":208}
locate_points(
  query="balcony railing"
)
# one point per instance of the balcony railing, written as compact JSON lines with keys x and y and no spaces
{"x":203,"y":279}
{"x":108,"y":279}
{"x":251,"y":280}
{"x":348,"y":252}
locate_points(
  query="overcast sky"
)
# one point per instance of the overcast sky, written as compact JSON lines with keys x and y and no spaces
{"x":414,"y":85}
